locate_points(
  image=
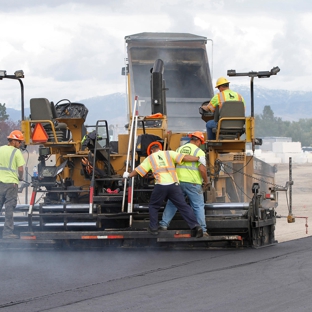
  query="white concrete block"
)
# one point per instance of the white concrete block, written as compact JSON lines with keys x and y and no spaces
{"x":268,"y":154}
{"x":286,"y":147}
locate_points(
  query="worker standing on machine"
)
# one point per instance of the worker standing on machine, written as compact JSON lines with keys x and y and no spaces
{"x":162,"y":164}
{"x":226,"y":94}
{"x":11,"y":171}
{"x":192,"y":177}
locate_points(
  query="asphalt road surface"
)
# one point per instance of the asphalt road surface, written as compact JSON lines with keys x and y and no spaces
{"x":276,"y":278}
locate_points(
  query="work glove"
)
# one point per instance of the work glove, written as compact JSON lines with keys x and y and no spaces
{"x":205,"y":186}
{"x":125,"y":175}
{"x":202,"y":160}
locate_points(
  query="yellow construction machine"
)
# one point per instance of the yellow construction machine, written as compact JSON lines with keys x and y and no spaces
{"x":82,"y":198}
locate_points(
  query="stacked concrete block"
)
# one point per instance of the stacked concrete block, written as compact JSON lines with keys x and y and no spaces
{"x":286,"y":147}
{"x":285,"y":150}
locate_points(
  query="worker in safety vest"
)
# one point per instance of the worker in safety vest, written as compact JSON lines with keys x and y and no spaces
{"x":226,"y":94}
{"x":11,"y":171}
{"x":162,"y":164}
{"x":192,"y":177}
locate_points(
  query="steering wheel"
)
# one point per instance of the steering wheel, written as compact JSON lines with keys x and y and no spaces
{"x":63,"y":109}
{"x":204,"y":112}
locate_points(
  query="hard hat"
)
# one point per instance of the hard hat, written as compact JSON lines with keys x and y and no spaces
{"x":16,"y":135}
{"x":198,"y":135}
{"x":153,"y":145}
{"x":221,"y":81}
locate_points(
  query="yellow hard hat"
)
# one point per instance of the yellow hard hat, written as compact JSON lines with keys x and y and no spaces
{"x":221,"y":81}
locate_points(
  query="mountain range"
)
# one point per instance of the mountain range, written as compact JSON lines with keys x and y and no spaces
{"x":288,"y":105}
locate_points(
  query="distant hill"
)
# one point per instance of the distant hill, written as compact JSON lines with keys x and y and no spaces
{"x":289,"y":105}
{"x":110,"y":107}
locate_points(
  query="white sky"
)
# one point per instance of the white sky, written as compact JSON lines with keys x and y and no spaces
{"x":75,"y":49}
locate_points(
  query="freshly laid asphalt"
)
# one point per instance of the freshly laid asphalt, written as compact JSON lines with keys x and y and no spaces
{"x":275,"y":278}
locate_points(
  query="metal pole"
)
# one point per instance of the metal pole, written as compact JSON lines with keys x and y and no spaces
{"x":290,"y":186}
{"x":290,"y":217}
{"x":22,"y":98}
{"x":130,"y":207}
{"x":128,"y":152}
{"x":252,"y":97}
{"x":26,"y":189}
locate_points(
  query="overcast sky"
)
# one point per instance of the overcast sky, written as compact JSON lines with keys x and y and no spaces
{"x":76,"y":49}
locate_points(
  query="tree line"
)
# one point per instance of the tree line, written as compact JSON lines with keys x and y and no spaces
{"x":6,"y":125}
{"x":267,"y":125}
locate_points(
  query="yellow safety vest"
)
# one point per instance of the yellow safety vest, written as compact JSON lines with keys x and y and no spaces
{"x":220,"y":98}
{"x":162,"y":164}
{"x":10,"y":159}
{"x":188,"y":171}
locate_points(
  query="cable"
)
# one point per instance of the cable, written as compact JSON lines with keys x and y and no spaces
{"x":241,"y":189}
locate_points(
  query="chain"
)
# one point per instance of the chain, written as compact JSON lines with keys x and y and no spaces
{"x":250,"y":176}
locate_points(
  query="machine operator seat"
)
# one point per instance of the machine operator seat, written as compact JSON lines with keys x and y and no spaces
{"x":41,"y":109}
{"x":231,"y":120}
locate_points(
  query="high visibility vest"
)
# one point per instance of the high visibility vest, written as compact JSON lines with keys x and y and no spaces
{"x":226,"y":95}
{"x":10,"y":159}
{"x":162,"y":164}
{"x":188,"y":171}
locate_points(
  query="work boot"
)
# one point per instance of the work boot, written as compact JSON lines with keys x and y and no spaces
{"x":151,"y":231}
{"x":205,"y":234}
{"x":10,"y":236}
{"x":162,"y":228}
{"x":198,"y":231}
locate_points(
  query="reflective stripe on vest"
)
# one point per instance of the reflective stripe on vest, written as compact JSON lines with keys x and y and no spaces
{"x":10,"y":163}
{"x":222,"y":98}
{"x":170,"y":168}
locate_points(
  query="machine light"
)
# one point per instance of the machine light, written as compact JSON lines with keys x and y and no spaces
{"x":275,"y":70}
{"x":19,"y":74}
{"x":231,"y":72}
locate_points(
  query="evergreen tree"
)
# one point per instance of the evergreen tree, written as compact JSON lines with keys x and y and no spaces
{"x":267,"y":126}
{"x":3,"y":115}
{"x":5,"y":129}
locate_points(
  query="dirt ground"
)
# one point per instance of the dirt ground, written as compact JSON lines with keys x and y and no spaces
{"x":301,"y":199}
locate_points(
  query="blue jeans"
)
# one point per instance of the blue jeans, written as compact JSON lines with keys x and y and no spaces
{"x":209,"y":126}
{"x":194,"y":193}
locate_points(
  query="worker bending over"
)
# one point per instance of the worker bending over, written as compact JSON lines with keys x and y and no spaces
{"x":162,"y":164}
{"x":191,"y":176}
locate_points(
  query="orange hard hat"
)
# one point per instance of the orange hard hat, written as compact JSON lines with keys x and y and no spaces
{"x":155,"y":143}
{"x":198,"y":135}
{"x":16,"y":135}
